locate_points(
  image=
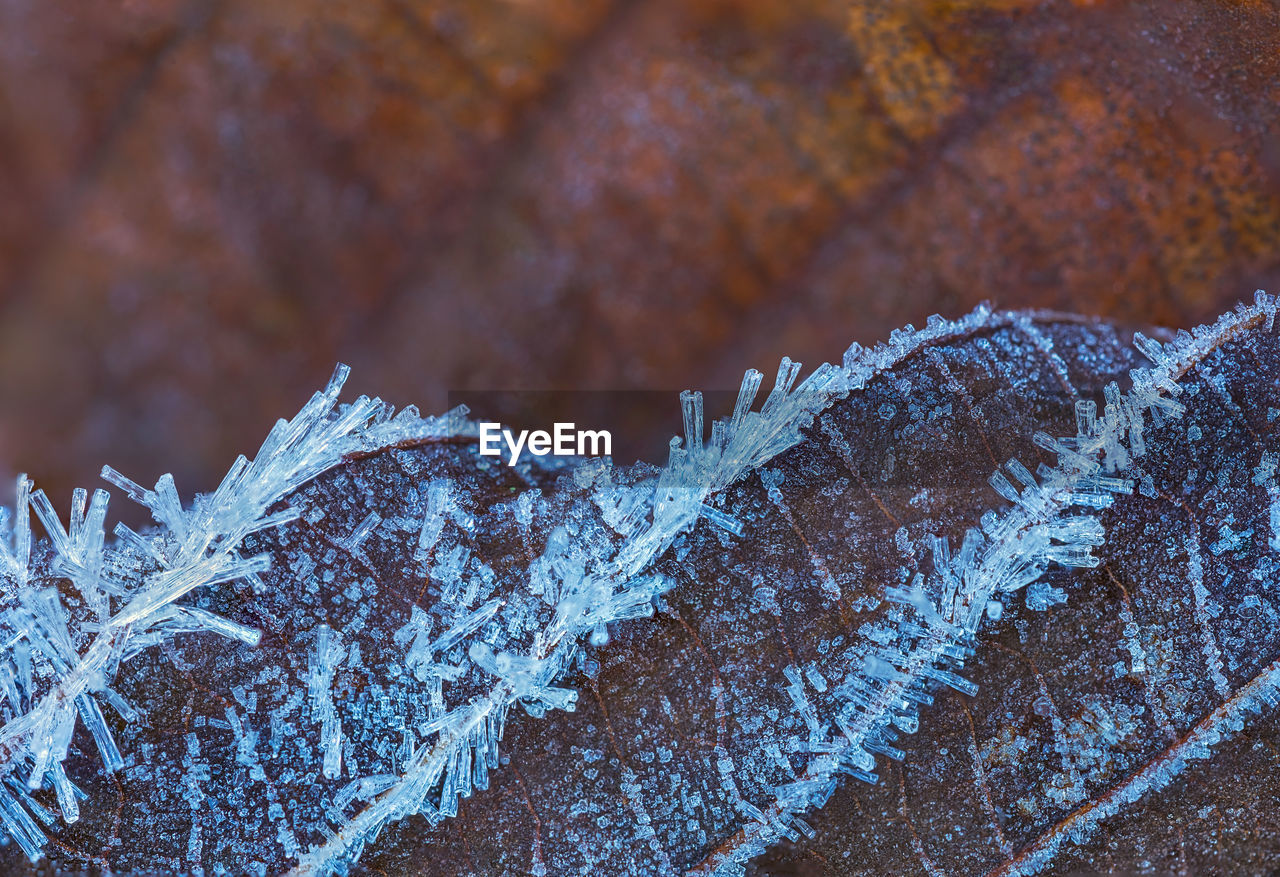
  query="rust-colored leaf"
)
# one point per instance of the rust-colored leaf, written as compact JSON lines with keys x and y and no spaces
{"x":591,"y":194}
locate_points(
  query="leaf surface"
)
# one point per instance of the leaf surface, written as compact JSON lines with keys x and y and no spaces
{"x":687,"y":725}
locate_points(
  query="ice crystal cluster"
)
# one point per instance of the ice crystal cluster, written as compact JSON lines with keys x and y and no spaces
{"x":659,"y":669}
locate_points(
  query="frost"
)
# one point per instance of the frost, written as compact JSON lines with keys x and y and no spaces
{"x":195,"y":548}
{"x":599,"y":547}
{"x":328,"y":654}
{"x":1009,"y":552}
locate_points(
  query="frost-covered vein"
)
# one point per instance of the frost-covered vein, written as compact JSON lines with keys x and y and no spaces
{"x":423,"y":771}
{"x":961,"y":393}
{"x":981,"y":785}
{"x":1138,"y":657}
{"x":1106,"y":445}
{"x":1044,"y":345}
{"x":193,"y":549}
{"x":1261,"y":692}
{"x":917,"y":846}
{"x":1200,"y":600}
{"x":843,"y":451}
{"x":699,"y":468}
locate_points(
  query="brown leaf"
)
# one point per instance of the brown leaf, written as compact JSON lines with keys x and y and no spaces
{"x":204,"y":204}
{"x":1093,"y":741}
{"x":635,"y":779}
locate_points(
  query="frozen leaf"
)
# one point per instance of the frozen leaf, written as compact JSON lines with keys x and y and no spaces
{"x":580,"y":668}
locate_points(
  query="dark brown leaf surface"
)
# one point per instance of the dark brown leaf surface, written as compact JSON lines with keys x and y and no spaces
{"x":1157,"y":655}
{"x":920,"y":443}
{"x":1154,"y":652}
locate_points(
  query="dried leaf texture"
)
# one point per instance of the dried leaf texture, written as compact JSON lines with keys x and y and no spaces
{"x":456,"y":195}
{"x":884,"y":470}
{"x":1095,"y":732}
{"x":421,"y":598}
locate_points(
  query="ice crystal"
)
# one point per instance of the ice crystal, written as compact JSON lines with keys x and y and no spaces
{"x":378,"y":630}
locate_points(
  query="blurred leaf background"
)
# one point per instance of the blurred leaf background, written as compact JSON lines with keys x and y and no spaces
{"x":204,"y":204}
